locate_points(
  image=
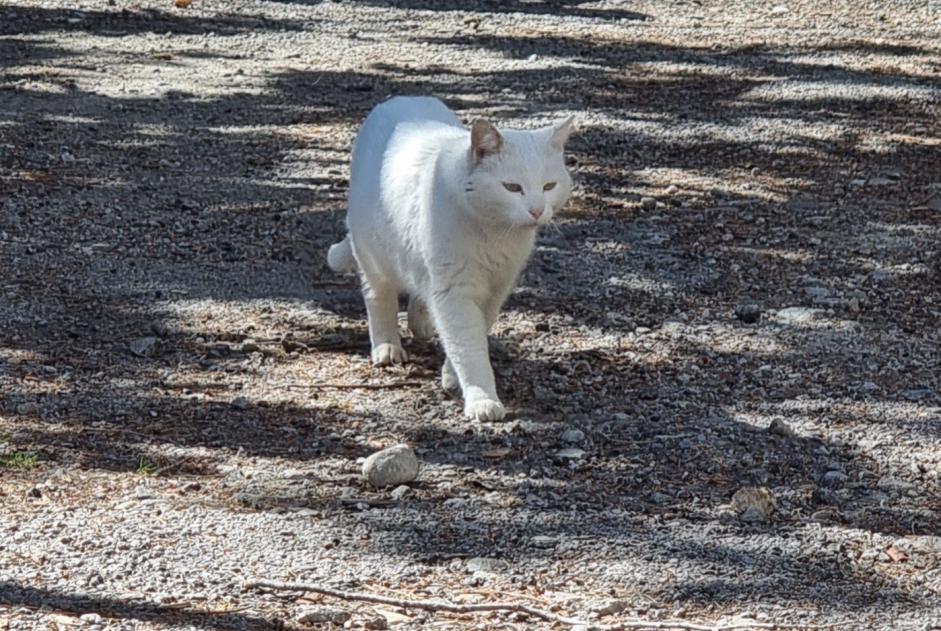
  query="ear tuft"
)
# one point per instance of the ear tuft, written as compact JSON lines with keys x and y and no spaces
{"x":561,"y":132}
{"x":485,"y":140}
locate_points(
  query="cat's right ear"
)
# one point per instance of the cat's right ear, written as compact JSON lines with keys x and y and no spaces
{"x":485,"y":140}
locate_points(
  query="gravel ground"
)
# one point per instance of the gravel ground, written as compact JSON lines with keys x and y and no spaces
{"x":743,"y":292}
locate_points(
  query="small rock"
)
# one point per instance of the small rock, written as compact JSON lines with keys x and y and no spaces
{"x":91,"y":618}
{"x":610,"y":607}
{"x":315,"y":615}
{"x":143,"y":346}
{"x":748,"y":312}
{"x":27,"y":409}
{"x":779,"y":9}
{"x":672,"y":189}
{"x":659,"y":498}
{"x":868,"y":387}
{"x":825,"y":516}
{"x":240,"y":403}
{"x":880,"y":181}
{"x":389,"y":467}
{"x":648,"y":203}
{"x":919,"y":394}
{"x":781,"y":428}
{"x":753,"y":503}
{"x":570,"y":453}
{"x":834,"y":479}
{"x":889,"y":483}
{"x":799,"y":315}
{"x":400,"y":492}
{"x":544,"y":541}
{"x":486,"y":564}
{"x":143,"y":492}
{"x":377,"y":623}
{"x":573,"y":435}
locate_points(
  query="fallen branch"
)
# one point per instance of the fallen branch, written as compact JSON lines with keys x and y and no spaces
{"x":435,"y":605}
{"x":355,"y":386}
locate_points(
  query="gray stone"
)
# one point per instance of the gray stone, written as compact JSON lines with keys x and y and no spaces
{"x":833,"y":479}
{"x":648,"y":203}
{"x":748,"y":312}
{"x":573,"y":435}
{"x":143,"y":346}
{"x":919,"y":394}
{"x":660,"y":498}
{"x":400,"y":492}
{"x":322,"y":614}
{"x":798,"y":315}
{"x":544,"y":541}
{"x":570,"y":453}
{"x":889,"y":483}
{"x":610,"y":607}
{"x":781,"y":428}
{"x":754,"y":503}
{"x":487,"y":565}
{"x":390,"y":467}
{"x":27,"y":409}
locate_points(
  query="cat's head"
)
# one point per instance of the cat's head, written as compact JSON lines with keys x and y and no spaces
{"x":518,"y":177}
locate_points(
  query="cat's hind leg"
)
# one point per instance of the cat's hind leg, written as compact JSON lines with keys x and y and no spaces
{"x":382,"y":306}
{"x":419,"y":320}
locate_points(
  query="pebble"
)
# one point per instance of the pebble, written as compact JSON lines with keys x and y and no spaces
{"x":320,"y":615}
{"x":570,"y":453}
{"x":91,"y":618}
{"x":834,"y":479}
{"x":390,"y":467}
{"x":400,"y":492}
{"x":798,"y":315}
{"x":781,"y":428}
{"x":544,"y":541}
{"x":573,"y":435}
{"x":610,"y":607}
{"x":144,"y":492}
{"x":754,"y":504}
{"x":748,"y":312}
{"x":487,"y":565}
{"x":27,"y":409}
{"x":648,"y":203}
{"x":143,"y":346}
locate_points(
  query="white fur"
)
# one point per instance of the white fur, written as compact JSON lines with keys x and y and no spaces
{"x":429,"y":216}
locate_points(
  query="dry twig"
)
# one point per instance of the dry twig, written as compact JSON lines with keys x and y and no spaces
{"x":434,"y":605}
{"x":355,"y":386}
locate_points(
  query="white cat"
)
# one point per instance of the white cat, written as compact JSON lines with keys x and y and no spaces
{"x":449,"y":216}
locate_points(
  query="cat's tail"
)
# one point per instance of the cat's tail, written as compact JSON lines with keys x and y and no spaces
{"x":340,"y":257}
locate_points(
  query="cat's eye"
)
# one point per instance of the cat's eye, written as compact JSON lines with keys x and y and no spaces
{"x":513,"y":188}
{"x":549,"y":186}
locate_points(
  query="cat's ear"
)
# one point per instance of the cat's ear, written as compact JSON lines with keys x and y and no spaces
{"x":485,"y":140}
{"x":561,"y":132}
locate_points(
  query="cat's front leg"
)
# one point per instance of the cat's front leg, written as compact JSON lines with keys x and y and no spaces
{"x":462,"y":326}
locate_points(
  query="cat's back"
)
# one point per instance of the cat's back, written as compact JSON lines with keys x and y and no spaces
{"x":372,"y":140}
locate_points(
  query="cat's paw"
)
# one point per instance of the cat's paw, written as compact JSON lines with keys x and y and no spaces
{"x":448,"y":377}
{"x":388,"y":354}
{"x":484,"y":410}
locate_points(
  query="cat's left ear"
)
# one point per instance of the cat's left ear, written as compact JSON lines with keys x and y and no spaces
{"x":561,"y":132}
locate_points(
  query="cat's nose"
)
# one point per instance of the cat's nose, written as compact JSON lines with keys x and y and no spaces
{"x":536,"y":211}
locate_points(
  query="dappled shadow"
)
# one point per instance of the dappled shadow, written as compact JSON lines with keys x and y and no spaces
{"x":20,"y":20}
{"x":116,"y":609}
{"x":201,"y":220}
